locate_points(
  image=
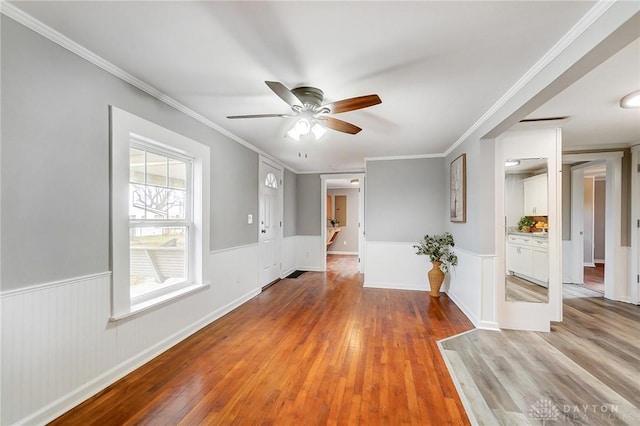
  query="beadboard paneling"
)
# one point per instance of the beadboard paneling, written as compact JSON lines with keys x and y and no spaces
{"x":59,"y":348}
{"x":55,"y":339}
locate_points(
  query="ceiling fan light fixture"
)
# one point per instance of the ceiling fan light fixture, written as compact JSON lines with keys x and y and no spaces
{"x":303,"y":126}
{"x":632,"y":100}
{"x":355,"y":181}
{"x":293,"y":134}
{"x":318,"y":131}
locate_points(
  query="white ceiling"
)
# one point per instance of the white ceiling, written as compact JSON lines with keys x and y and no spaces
{"x":437,"y":66}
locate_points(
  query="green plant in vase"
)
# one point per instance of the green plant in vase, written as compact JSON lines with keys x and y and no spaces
{"x":438,"y":248}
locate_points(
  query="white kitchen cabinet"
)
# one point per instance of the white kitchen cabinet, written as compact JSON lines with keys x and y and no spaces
{"x":528,"y":256}
{"x":535,"y":195}
{"x":519,"y":255}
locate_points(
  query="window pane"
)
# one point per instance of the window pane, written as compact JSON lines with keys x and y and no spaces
{"x":136,"y":165}
{"x":271,"y":181}
{"x":175,"y":204}
{"x":157,"y":258}
{"x":156,"y":202}
{"x":156,"y":169}
{"x":177,"y":174}
{"x":137,"y":201}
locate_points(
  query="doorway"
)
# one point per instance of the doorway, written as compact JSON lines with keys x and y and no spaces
{"x":606,"y":166}
{"x":594,"y":227}
{"x":343,"y":217}
{"x":270,"y":221}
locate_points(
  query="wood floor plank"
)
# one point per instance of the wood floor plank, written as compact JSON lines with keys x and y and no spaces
{"x":318,"y":349}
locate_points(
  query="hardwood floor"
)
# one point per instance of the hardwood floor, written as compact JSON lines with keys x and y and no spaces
{"x":319,"y":349}
{"x":594,"y":278}
{"x":585,"y":371}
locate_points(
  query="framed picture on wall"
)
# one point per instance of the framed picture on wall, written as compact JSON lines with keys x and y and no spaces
{"x":458,"y":189}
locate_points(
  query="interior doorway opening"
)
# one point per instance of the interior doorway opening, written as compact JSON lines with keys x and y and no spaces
{"x":594,"y":227}
{"x":343,"y":217}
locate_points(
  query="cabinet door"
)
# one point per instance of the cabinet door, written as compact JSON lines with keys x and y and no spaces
{"x":512,"y":258}
{"x":542,"y":203}
{"x":535,"y":196}
{"x":341,"y":209}
{"x":530,"y":197}
{"x":541,"y":266}
{"x":519,"y":259}
{"x":526,"y":259}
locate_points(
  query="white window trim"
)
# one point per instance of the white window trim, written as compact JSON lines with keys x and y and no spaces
{"x":123,"y":126}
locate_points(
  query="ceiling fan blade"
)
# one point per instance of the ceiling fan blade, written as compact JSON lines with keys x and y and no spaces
{"x":339,"y":125}
{"x":353,"y":103}
{"x":259,"y":116}
{"x":284,"y":93}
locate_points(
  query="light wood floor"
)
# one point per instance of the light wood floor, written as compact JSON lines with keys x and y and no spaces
{"x":585,"y":371}
{"x":520,"y":290}
{"x":318,"y":349}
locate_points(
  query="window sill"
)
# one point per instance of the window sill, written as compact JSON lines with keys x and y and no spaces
{"x":159,"y":301}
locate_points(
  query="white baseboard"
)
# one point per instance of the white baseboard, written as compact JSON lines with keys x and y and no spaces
{"x":485,"y":325}
{"x":348,"y":253}
{"x":395,"y":285}
{"x":589,"y":265}
{"x":309,"y":268}
{"x":596,"y":261}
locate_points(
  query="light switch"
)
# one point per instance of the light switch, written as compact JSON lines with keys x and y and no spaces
{"x":250,"y":219}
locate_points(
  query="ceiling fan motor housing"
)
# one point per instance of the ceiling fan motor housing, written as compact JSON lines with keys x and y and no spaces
{"x":311,"y":97}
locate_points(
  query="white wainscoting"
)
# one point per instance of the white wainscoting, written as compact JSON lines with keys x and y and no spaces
{"x":395,"y":266}
{"x":472,"y":288}
{"x":309,"y":253}
{"x":288,"y":256}
{"x":59,"y":348}
{"x":470,"y":284}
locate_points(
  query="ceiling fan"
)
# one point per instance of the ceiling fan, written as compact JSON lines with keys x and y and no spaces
{"x":306,"y":103}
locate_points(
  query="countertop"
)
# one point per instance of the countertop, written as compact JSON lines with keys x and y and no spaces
{"x":530,"y":234}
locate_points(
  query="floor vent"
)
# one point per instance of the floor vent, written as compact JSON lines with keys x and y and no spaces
{"x":295,"y":274}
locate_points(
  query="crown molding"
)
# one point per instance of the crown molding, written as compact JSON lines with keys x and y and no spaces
{"x":60,"y":39}
{"x":560,"y":46}
{"x":405,"y":157}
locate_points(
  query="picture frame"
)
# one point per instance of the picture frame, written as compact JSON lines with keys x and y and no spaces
{"x":458,"y":189}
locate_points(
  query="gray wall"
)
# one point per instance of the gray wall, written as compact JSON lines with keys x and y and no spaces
{"x":234,"y":194}
{"x":308,"y":214}
{"x":588,"y":220}
{"x":566,"y":202}
{"x":405,"y":199}
{"x":347,"y":239}
{"x":599,"y":211}
{"x":55,"y":162}
{"x":290,"y":203}
{"x":477,"y":234}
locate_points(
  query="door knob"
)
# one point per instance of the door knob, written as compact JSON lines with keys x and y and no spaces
{"x":264,"y":231}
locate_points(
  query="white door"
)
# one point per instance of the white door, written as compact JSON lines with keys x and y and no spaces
{"x":533,"y":146}
{"x":270,"y":221}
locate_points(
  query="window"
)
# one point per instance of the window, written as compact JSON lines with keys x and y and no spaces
{"x":159,"y":220}
{"x":271,"y":181}
{"x":159,"y":202}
